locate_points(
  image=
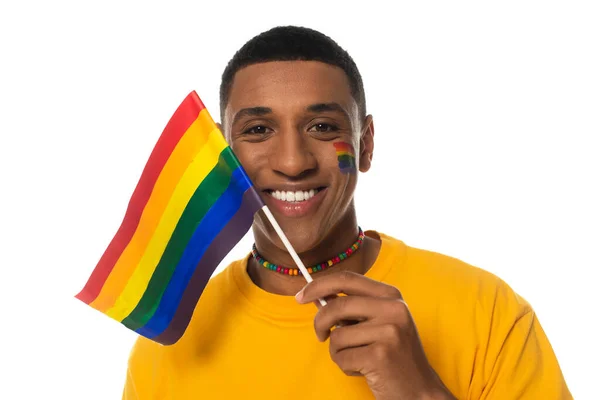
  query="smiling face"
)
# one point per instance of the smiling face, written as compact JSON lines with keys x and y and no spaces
{"x":285,"y":121}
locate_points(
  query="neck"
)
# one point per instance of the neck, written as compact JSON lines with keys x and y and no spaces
{"x":337,"y":241}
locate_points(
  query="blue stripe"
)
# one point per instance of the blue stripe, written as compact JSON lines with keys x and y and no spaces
{"x":213,"y":222}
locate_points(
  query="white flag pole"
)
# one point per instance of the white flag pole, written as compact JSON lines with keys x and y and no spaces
{"x":289,"y":248}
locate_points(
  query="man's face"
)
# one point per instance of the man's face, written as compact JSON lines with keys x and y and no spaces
{"x":282,"y":121}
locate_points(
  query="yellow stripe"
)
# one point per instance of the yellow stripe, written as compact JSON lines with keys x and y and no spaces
{"x":191,"y":142}
{"x":202,"y":165}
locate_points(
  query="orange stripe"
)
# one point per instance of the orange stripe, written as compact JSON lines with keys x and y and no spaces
{"x":341,"y":146}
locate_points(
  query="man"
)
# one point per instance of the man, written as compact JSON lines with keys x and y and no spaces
{"x":400,"y":323}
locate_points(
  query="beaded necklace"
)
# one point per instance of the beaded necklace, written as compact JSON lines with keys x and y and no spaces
{"x":316,"y":268}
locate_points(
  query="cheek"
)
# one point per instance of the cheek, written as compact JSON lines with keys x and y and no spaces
{"x":250,"y":156}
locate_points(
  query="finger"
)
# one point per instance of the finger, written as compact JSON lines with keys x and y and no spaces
{"x":355,"y":308}
{"x":327,"y":300}
{"x":353,"y":361}
{"x":348,"y":283}
{"x":357,"y":335}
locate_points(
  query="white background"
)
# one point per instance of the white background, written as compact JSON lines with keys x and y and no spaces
{"x":487,"y":119}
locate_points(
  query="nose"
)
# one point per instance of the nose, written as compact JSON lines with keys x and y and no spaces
{"x":291,"y":155}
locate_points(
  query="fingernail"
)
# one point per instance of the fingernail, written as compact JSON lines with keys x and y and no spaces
{"x":300,"y":295}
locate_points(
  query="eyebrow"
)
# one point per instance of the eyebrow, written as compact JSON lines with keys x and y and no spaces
{"x":251,"y":112}
{"x":315,"y":108}
{"x":328,"y":107}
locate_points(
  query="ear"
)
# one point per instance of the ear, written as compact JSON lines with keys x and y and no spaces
{"x":367,"y":144}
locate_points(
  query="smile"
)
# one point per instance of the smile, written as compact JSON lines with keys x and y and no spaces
{"x":294,"y":197}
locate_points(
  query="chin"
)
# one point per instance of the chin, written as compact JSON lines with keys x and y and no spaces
{"x":304,"y":240}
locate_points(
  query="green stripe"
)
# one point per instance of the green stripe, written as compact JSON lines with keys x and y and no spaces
{"x":347,"y":159}
{"x":207,"y":193}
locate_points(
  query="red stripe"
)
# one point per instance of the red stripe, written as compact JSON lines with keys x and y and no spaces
{"x":341,"y":146}
{"x":184,"y":116}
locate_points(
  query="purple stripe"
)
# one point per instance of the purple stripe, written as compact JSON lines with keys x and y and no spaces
{"x":229,"y":236}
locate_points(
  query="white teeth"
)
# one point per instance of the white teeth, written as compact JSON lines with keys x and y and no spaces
{"x":294,"y":196}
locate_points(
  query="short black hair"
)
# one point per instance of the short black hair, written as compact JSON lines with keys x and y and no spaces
{"x":292,"y":43}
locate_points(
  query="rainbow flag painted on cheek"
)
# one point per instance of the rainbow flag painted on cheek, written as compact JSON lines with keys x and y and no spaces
{"x":345,"y":155}
{"x":191,"y":206}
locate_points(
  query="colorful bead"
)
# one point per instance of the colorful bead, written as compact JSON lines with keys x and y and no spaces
{"x":318,"y":267}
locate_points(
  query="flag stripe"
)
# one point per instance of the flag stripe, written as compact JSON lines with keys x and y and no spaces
{"x":346,"y":159}
{"x":214,"y":221}
{"x":346,"y":162}
{"x":206,"y":194}
{"x":222,"y":244}
{"x":345,"y":147}
{"x":184,"y":116}
{"x":126,"y":284}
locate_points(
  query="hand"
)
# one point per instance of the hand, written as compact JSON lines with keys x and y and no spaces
{"x":381,"y":343}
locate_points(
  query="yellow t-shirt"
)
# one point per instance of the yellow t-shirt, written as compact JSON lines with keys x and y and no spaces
{"x":482,"y":339}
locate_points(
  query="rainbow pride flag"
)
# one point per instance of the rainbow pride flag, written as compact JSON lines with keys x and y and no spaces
{"x":192,"y":204}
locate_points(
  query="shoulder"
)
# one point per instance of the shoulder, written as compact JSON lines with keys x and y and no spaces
{"x":145,"y":370}
{"x":433,"y":282}
{"x":452,"y":276}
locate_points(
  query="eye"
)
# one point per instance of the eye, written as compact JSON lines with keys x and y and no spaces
{"x":323,"y":128}
{"x":257,"y":130}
